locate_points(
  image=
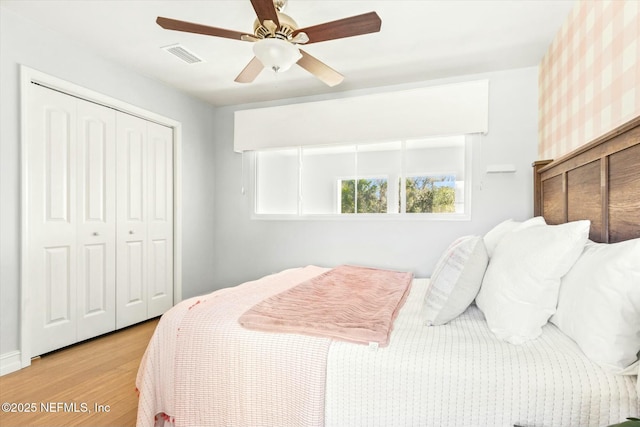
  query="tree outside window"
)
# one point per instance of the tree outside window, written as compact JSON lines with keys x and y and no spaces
{"x":431,"y":194}
{"x":424,"y":194}
{"x":371,"y":196}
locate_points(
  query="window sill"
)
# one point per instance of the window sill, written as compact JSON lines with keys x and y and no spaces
{"x":362,"y":217}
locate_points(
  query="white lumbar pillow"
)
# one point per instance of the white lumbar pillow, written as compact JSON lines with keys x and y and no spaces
{"x":520,"y":288}
{"x":493,"y":236}
{"x":599,"y":304}
{"x":455,"y":281}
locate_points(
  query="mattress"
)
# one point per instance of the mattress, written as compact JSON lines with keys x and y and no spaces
{"x":460,"y":375}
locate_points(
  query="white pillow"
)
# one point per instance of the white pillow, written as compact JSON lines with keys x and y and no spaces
{"x":520,"y":288}
{"x":599,"y":303}
{"x":493,"y":236}
{"x":455,"y":281}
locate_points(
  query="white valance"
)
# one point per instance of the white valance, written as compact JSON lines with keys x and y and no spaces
{"x":459,"y":108}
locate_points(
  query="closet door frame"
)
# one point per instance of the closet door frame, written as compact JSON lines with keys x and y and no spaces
{"x":29,"y":76}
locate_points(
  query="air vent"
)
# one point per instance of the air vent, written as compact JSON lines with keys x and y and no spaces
{"x":182,"y":53}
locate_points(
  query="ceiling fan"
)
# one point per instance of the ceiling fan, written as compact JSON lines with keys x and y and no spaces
{"x":277,"y":36}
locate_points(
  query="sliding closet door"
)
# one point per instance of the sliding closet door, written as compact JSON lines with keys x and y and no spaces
{"x":52,"y":219}
{"x":131,"y":235}
{"x":96,"y":210}
{"x":160,"y":220}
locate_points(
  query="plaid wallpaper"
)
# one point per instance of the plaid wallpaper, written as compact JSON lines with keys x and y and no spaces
{"x":589,"y":81}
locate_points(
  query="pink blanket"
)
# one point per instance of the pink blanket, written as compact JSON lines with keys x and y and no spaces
{"x":356,"y":304}
{"x":202,"y":368}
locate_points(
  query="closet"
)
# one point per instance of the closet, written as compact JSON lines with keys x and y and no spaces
{"x":99,"y":219}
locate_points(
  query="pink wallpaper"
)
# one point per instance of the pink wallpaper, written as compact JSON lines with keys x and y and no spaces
{"x":589,"y":81}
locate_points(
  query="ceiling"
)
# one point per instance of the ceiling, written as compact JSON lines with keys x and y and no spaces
{"x":419,"y":40}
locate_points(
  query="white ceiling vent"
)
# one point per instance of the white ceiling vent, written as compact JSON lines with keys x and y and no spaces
{"x":183,"y":53}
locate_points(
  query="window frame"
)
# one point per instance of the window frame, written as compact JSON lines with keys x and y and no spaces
{"x":467,"y":184}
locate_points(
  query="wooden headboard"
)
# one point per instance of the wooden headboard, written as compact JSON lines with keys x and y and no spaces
{"x":599,"y":181}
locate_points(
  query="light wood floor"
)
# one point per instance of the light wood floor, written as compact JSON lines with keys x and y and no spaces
{"x":101,"y":371}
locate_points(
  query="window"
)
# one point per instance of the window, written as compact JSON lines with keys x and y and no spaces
{"x":369,"y":196}
{"x":422,"y":178}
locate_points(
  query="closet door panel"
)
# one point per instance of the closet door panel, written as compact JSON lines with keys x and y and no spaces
{"x":97,"y":220}
{"x":131,"y":229}
{"x":58,"y":286}
{"x":51,"y":219}
{"x":135,"y":255}
{"x":160,"y":220}
{"x":93,"y":291}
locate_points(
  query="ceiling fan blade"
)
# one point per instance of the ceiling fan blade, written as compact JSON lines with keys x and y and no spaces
{"x":250,"y":72}
{"x":319,"y":69}
{"x":266,"y":11}
{"x":190,"y":27}
{"x":346,"y":27}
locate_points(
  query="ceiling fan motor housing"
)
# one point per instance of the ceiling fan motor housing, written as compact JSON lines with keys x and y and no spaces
{"x":284,"y":31}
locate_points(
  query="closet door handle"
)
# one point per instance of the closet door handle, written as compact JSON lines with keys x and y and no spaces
{"x":95,"y":233}
{"x":130,"y":231}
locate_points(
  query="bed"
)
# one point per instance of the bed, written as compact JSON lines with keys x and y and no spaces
{"x":202,"y":367}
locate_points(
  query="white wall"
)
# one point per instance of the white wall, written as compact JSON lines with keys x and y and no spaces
{"x":249,"y":248}
{"x":23,"y":42}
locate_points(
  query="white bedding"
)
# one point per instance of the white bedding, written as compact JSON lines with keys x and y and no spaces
{"x":452,"y":375}
{"x":460,"y":375}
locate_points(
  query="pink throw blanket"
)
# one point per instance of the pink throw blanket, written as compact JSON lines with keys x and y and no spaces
{"x":356,"y":304}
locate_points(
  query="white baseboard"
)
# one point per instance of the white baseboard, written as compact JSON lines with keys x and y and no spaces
{"x":10,"y":362}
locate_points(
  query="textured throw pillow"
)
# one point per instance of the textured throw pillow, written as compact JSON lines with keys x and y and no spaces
{"x":493,"y":236}
{"x":519,"y":291}
{"x":455,"y":281}
{"x":599,"y":304}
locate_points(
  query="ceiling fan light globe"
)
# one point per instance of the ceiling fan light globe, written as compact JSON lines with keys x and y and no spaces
{"x":276,"y":54}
